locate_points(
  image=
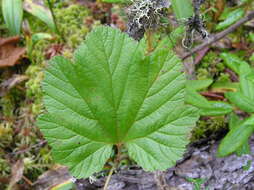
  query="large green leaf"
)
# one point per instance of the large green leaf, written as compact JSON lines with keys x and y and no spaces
{"x":13,"y":15}
{"x":237,"y":137}
{"x":113,"y":94}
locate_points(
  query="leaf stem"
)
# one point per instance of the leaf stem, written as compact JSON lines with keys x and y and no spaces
{"x":108,"y":178}
{"x":54,"y":18}
{"x":115,"y":165}
{"x":149,"y":35}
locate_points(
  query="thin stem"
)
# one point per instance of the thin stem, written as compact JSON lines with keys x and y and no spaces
{"x":54,"y":18}
{"x":28,"y":181}
{"x":108,"y":178}
{"x":115,"y":165}
{"x":149,"y":35}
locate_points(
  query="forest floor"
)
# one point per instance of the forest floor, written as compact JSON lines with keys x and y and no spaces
{"x":200,"y":169}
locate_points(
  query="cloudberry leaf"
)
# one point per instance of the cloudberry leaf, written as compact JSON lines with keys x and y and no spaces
{"x":115,"y":94}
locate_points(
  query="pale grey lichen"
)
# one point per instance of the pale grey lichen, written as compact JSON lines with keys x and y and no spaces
{"x":144,"y":15}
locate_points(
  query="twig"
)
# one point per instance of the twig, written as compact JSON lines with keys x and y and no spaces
{"x":220,"y":35}
{"x":28,"y":181}
{"x":42,"y":143}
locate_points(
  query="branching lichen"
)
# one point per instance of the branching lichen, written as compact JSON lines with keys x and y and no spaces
{"x":144,"y":15}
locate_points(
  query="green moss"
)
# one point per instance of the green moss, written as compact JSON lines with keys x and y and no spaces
{"x":7,"y":103}
{"x":208,"y":127}
{"x":71,"y":24}
{"x":208,"y":67}
{"x":202,"y":74}
{"x":6,"y":137}
{"x":38,"y":53}
{"x":224,"y":77}
{"x":35,"y":74}
{"x":4,"y":167}
{"x":211,"y":67}
{"x":6,"y":134}
{"x":220,"y":66}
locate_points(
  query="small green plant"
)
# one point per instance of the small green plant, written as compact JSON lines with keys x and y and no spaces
{"x":229,"y":17}
{"x":241,"y":95}
{"x":240,"y":130}
{"x":112,"y":95}
{"x":197,"y":182}
{"x":13,"y":14}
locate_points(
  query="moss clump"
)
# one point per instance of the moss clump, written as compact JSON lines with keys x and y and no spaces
{"x":211,"y":67}
{"x":224,"y":77}
{"x":33,"y":86}
{"x":38,"y":54}
{"x":208,"y":127}
{"x":4,"y":167}
{"x":7,"y":104}
{"x":207,"y":68}
{"x":71,"y":24}
{"x":35,"y":74}
{"x":6,"y":132}
{"x":6,"y":137}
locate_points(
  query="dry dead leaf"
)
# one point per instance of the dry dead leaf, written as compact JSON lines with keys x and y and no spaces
{"x":53,"y":50}
{"x":53,"y":177}
{"x":220,"y":5}
{"x":6,"y":85}
{"x":10,"y":53}
{"x":222,"y":44}
{"x":16,"y":173}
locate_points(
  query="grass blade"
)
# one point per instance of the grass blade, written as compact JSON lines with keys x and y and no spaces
{"x":13,"y":15}
{"x":41,"y":12}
